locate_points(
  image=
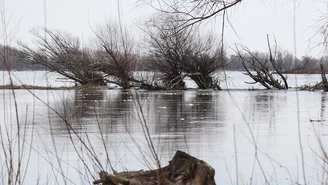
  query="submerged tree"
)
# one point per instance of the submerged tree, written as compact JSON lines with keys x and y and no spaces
{"x":62,"y":53}
{"x":206,"y":58}
{"x":259,"y":70}
{"x":177,"y":54}
{"x":168,"y":49}
{"x":116,"y":54}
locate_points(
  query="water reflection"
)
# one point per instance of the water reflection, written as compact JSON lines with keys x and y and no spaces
{"x":174,"y":118}
{"x":165,"y":112}
{"x":324,"y":101}
{"x":199,"y":122}
{"x":168,"y":112}
{"x":266,"y":105}
{"x":116,"y":113}
{"x":85,"y":102}
{"x":181,"y":117}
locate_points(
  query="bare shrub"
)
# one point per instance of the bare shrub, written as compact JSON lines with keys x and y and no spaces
{"x":116,"y":54}
{"x":206,"y":58}
{"x":177,"y":54}
{"x":167,"y":49}
{"x":62,"y":53}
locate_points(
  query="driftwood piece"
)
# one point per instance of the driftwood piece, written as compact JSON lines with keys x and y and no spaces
{"x":183,"y":169}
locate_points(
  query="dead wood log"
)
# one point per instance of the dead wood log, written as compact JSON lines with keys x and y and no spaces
{"x":183,"y":169}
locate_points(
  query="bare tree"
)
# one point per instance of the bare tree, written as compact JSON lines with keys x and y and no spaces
{"x":206,"y":58}
{"x":192,"y":12}
{"x":259,"y":71}
{"x":116,"y":54}
{"x":168,"y":49}
{"x":61,"y":53}
{"x":177,"y":54}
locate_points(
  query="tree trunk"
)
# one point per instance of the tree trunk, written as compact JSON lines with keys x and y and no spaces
{"x":324,"y":79}
{"x":183,"y":169}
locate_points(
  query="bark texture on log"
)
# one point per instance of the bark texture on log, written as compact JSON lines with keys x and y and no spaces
{"x":183,"y":169}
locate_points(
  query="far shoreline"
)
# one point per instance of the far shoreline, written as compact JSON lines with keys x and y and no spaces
{"x":33,"y":87}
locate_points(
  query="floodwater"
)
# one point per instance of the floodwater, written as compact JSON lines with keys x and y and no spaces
{"x":247,"y":136}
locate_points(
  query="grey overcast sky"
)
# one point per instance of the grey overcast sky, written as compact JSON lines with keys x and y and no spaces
{"x":251,"y":19}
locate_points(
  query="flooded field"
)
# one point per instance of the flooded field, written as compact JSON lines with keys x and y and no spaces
{"x":230,"y":79}
{"x":253,"y":137}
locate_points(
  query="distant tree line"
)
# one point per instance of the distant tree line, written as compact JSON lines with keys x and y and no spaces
{"x":286,"y":62}
{"x":16,"y":60}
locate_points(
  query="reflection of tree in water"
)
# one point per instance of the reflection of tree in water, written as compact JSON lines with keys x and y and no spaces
{"x":168,"y":108}
{"x":113,"y":110}
{"x":86,"y":102}
{"x":117,"y":113}
{"x":174,"y":118}
{"x":323,"y":106}
{"x":177,"y":112}
{"x":264,"y":101}
{"x":182,"y":118}
{"x":206,"y":109}
{"x":90,"y":107}
{"x":76,"y":110}
{"x":265,"y":107}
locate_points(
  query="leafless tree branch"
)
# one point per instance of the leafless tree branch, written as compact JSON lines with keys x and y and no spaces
{"x":61,"y":53}
{"x":192,"y":12}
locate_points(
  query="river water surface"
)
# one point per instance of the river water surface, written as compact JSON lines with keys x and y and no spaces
{"x":249,"y":136}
